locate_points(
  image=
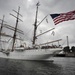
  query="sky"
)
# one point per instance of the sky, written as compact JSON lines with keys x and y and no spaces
{"x":28,"y":9}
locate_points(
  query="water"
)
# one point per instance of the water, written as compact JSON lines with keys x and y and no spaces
{"x":60,"y":66}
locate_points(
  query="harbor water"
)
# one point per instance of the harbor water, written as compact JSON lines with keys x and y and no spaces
{"x":60,"y":66}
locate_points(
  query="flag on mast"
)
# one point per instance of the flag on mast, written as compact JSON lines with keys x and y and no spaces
{"x":58,"y":18}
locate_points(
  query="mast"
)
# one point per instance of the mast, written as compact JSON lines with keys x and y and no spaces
{"x":1,"y":29}
{"x":35,"y":24}
{"x":17,"y":19}
{"x":2,"y":25}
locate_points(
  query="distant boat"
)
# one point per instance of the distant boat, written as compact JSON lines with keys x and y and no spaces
{"x":36,"y":52}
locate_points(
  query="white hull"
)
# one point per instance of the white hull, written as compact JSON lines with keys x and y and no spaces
{"x":38,"y":54}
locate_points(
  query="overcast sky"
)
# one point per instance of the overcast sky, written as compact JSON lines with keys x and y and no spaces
{"x":28,"y":9}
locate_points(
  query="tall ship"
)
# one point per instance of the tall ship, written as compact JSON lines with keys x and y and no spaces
{"x":36,"y":52}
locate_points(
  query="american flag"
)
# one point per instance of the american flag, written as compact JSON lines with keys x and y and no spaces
{"x":57,"y":18}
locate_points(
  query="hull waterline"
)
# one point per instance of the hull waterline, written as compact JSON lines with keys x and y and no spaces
{"x":37,"y":54}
